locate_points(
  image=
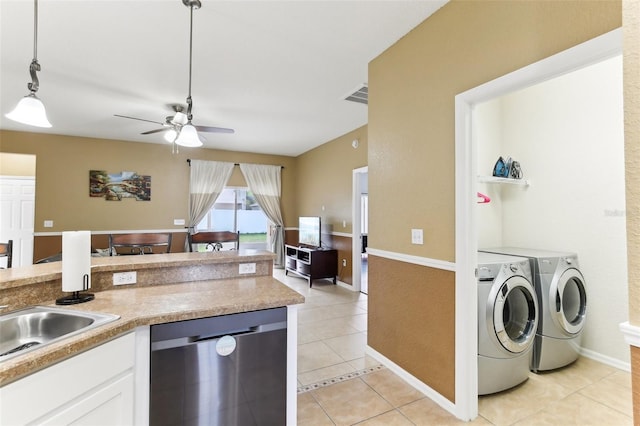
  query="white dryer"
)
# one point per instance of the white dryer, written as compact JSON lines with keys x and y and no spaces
{"x":507,"y":321}
{"x":562,"y":297}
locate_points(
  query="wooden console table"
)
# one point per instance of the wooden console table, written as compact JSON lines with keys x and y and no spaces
{"x":311,"y":263}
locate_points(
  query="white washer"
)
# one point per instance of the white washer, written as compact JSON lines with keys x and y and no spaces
{"x":507,"y":321}
{"x":562,"y":297}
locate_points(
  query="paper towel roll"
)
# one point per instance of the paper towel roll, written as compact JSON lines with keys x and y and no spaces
{"x":76,"y":261}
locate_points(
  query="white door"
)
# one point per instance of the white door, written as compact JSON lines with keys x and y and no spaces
{"x":17,"y":209}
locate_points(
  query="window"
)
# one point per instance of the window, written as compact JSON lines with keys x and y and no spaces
{"x":237,"y":210}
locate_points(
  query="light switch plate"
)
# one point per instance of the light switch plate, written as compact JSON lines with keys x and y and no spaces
{"x":416,"y":236}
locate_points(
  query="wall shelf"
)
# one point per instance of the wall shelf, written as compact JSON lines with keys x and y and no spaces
{"x":509,"y":181}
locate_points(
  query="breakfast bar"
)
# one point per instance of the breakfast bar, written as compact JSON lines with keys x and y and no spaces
{"x":168,"y":288}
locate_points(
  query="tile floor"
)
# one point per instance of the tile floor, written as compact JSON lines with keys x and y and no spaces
{"x":339,"y":385}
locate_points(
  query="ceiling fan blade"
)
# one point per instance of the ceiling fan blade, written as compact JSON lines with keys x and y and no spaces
{"x":154,"y":131}
{"x":139,"y":119}
{"x":210,"y":129}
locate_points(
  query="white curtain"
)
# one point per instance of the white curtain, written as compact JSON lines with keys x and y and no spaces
{"x":206,"y":182}
{"x":265,"y":183}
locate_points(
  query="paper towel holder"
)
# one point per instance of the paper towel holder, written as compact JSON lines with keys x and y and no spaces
{"x":76,"y":297}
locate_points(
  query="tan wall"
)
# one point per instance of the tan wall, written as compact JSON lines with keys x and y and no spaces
{"x":325,"y":179}
{"x":17,"y":165}
{"x":411,"y":320}
{"x":411,"y":104}
{"x":631,"y":78}
{"x":635,"y":380}
{"x":62,"y":181}
{"x":412,"y":87}
{"x":631,"y":61}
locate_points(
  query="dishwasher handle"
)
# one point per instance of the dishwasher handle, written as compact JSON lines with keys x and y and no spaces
{"x":194,"y":340}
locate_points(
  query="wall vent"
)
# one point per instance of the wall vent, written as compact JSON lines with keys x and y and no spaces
{"x":360,"y":95}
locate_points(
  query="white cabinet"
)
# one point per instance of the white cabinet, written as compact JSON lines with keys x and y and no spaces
{"x":95,"y":387}
{"x":110,"y":404}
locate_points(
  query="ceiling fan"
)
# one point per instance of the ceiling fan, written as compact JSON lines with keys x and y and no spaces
{"x":178,"y":128}
{"x":173,"y":123}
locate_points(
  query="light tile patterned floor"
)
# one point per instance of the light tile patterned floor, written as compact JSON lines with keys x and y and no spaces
{"x":339,"y":385}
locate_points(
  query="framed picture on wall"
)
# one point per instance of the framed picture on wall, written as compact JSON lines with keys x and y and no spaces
{"x":115,"y":187}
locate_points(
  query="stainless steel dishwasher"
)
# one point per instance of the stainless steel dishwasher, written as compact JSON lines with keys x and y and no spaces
{"x":225,"y":370}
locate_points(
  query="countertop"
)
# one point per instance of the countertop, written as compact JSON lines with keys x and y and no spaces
{"x":25,"y":275}
{"x":142,"y":306}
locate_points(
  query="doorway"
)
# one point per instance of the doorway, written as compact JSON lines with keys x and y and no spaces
{"x":360,"y":228}
{"x":17,"y":205}
{"x":590,"y":52}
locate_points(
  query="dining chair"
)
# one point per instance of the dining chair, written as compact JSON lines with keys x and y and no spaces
{"x":213,"y":240}
{"x":149,"y":243}
{"x":6,"y":250}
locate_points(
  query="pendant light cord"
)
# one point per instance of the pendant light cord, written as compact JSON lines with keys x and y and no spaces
{"x":35,"y":31}
{"x":35,"y":66}
{"x":189,"y":102}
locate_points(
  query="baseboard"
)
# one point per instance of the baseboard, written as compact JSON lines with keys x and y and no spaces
{"x":607,"y":360}
{"x":413,"y":381}
{"x":345,"y":285}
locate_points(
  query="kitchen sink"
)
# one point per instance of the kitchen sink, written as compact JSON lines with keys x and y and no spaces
{"x":32,"y":328}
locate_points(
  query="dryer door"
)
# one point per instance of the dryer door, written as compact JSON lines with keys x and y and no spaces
{"x":515,"y":314}
{"x":568,"y":301}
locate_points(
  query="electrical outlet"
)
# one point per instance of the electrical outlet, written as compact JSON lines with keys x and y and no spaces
{"x":178,"y":221}
{"x":121,"y":278}
{"x":48,"y":224}
{"x":344,"y":262}
{"x":247,"y":268}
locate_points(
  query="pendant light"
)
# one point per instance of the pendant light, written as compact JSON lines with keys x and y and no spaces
{"x":30,"y":110}
{"x":188,"y":134}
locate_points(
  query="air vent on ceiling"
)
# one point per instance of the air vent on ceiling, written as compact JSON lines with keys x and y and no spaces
{"x":360,"y":95}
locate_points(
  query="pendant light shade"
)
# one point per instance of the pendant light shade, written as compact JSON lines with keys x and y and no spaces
{"x":189,"y":136}
{"x":30,"y":110}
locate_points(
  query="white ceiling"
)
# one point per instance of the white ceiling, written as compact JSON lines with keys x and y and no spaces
{"x":275,"y":71}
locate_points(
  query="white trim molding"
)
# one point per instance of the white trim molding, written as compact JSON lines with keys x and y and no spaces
{"x":605,"y":359}
{"x":127,"y":231}
{"x":411,"y":380}
{"x":417,"y":260}
{"x":340,"y":234}
{"x":292,"y":364}
{"x":631,"y":333}
{"x":466,"y":239}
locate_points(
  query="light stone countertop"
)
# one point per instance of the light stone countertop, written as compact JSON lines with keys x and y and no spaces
{"x":141,"y":306}
{"x":25,"y":275}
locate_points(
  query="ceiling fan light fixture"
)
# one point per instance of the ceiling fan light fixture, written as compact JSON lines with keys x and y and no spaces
{"x":189,"y":136}
{"x":180,"y":118}
{"x":30,"y":110}
{"x":170,"y":135}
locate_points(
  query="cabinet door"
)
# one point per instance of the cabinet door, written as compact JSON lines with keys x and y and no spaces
{"x":109,"y":405}
{"x":37,"y":398}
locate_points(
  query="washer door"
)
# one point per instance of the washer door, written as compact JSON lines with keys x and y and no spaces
{"x":568,"y":301}
{"x":514,"y":314}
